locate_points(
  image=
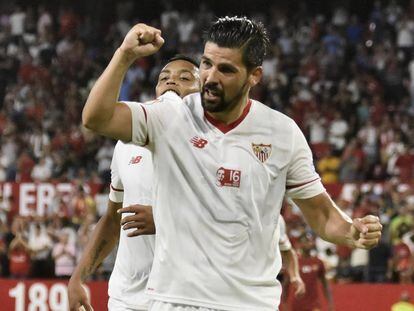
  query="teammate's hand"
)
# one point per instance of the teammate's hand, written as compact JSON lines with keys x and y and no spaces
{"x":298,"y":286}
{"x":142,"y":40}
{"x":78,"y":298}
{"x":366,"y":231}
{"x":142,"y":220}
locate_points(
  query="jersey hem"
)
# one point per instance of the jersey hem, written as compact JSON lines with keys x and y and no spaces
{"x":204,"y":304}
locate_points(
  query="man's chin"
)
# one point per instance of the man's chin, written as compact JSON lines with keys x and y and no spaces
{"x":211,"y":106}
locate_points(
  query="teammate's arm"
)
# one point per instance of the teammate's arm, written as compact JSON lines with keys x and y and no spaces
{"x":333,"y":225}
{"x":290,"y":258}
{"x":102,"y":113}
{"x":103,"y":240}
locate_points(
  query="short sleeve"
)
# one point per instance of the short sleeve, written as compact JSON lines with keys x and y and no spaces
{"x":151,"y":119}
{"x":302,"y":181}
{"x":284,"y":242}
{"x":116,"y":193}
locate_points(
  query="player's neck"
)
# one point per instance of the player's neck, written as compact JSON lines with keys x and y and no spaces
{"x":230,"y":116}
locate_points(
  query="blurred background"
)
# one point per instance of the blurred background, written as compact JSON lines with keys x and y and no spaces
{"x":343,"y":70}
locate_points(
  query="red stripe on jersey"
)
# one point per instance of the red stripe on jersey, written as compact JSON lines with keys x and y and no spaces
{"x":300,"y":185}
{"x":228,"y":127}
{"x":115,"y":189}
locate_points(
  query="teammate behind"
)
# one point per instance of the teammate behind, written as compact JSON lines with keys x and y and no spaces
{"x":131,"y":183}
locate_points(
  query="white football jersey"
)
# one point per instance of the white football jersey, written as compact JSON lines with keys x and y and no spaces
{"x":131,"y":183}
{"x":284,"y":242}
{"x":218,"y":190}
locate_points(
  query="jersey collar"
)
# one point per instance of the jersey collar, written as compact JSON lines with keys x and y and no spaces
{"x":224,"y":128}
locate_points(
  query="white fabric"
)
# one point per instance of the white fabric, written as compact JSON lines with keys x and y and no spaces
{"x":119,"y":305}
{"x":284,"y":242}
{"x":216,"y":245}
{"x":132,"y":172}
{"x":165,"y":306}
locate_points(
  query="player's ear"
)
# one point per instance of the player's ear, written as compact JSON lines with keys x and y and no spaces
{"x":255,"y":75}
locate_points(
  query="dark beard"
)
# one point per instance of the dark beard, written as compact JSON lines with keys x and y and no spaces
{"x":222,"y":104}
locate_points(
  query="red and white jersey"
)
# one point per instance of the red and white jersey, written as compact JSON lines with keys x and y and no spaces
{"x":131,"y":183}
{"x":218,"y":191}
{"x":284,"y":242}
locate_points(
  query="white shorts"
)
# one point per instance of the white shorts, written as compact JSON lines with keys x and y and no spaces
{"x":156,"y":305}
{"x":119,"y":305}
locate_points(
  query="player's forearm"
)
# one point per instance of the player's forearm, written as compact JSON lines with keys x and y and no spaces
{"x":327,"y":220}
{"x":102,"y":100}
{"x":103,"y":240}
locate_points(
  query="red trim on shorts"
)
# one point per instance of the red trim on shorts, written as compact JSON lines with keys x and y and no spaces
{"x":228,"y":127}
{"x":300,"y":185}
{"x":115,"y":189}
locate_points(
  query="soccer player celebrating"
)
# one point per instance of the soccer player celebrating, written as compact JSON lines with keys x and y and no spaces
{"x":222,"y":165}
{"x":131,"y":183}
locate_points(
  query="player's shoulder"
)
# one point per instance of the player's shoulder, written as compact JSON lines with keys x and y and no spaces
{"x":264,"y":112}
{"x":123,"y":147}
{"x":192,"y":99}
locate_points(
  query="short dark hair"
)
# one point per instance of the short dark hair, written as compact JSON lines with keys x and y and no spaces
{"x":184,"y":57}
{"x":242,"y":33}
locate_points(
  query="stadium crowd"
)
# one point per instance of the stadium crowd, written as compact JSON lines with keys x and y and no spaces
{"x":346,"y":77}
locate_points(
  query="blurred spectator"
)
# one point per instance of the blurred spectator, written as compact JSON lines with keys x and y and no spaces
{"x":328,"y":168}
{"x":82,"y":205}
{"x":403,"y":304}
{"x":40,"y":245}
{"x":64,"y":255}
{"x":41,"y":171}
{"x":19,"y":257}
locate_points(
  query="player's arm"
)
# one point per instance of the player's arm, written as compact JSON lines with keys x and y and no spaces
{"x":103,"y":240}
{"x":326,"y":219}
{"x":333,"y":225}
{"x":102,"y":112}
{"x":290,"y":259}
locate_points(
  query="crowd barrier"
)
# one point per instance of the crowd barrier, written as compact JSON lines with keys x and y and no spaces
{"x":44,"y":295}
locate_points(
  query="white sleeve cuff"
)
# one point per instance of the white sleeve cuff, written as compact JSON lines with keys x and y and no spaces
{"x":306,"y":190}
{"x":116,"y":195}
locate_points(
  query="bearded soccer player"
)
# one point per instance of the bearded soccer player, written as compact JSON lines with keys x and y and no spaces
{"x":131,"y":183}
{"x":222,"y":165}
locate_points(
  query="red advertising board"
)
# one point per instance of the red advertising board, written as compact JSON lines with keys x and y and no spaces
{"x":22,"y":295}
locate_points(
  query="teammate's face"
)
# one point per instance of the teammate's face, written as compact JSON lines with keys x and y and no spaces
{"x":225,"y":80}
{"x":179,"y":76}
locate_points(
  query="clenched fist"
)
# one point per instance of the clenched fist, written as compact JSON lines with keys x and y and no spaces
{"x":366,"y":231}
{"x":142,"y":40}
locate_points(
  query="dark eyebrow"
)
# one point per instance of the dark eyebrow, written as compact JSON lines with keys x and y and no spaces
{"x":165,"y":71}
{"x":180,"y":71}
{"x":223,"y":65}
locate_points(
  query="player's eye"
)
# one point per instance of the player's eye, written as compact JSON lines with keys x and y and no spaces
{"x":206,"y":63}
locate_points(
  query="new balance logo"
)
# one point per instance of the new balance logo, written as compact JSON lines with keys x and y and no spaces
{"x":135,"y":160}
{"x":198,"y":142}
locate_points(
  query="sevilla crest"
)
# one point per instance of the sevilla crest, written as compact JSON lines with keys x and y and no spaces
{"x":262,"y":151}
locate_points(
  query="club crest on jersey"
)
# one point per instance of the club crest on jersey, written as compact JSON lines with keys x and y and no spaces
{"x":262,"y":151}
{"x":228,"y":178}
{"x":135,"y":160}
